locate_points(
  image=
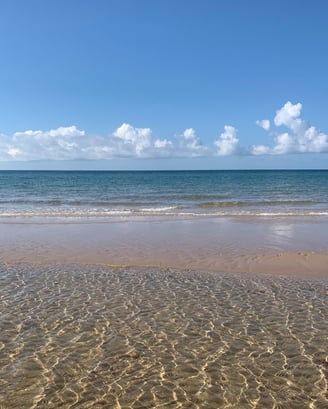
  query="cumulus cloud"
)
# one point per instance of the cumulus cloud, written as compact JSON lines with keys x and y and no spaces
{"x":69,"y":143}
{"x":189,"y":144}
{"x":130,"y":141}
{"x":260,"y":150}
{"x":263,"y":123}
{"x":288,"y":133}
{"x":227,"y":143}
{"x":300,"y":136}
{"x":66,"y":132}
{"x":288,"y":115}
{"x":58,"y":143}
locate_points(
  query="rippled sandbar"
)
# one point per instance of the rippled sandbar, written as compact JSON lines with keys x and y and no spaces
{"x":92,"y":337}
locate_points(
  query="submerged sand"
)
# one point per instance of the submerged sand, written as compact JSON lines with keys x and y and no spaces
{"x":77,"y":332}
{"x":288,"y":245}
{"x":75,"y":336}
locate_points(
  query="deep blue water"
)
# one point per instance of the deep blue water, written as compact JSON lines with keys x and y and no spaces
{"x":171,"y":193}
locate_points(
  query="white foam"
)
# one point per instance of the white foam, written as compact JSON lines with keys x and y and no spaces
{"x":157,"y":209}
{"x":170,"y":211}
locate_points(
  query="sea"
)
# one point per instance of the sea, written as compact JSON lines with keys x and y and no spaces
{"x":92,"y":336}
{"x":109,"y":194}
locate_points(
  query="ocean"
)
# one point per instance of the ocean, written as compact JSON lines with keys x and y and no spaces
{"x":108,"y":194}
{"x":146,"y":311}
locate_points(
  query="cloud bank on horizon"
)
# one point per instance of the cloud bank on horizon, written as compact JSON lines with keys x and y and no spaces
{"x":71,"y":143}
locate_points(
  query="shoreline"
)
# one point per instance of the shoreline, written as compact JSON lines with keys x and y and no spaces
{"x":281,"y":246}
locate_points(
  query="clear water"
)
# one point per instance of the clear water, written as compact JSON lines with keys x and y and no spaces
{"x":169,"y":193}
{"x":91,"y":337}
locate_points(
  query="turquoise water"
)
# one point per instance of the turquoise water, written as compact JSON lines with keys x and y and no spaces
{"x":169,"y":193}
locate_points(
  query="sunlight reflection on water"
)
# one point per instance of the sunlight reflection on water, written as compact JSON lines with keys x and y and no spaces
{"x":92,"y":337}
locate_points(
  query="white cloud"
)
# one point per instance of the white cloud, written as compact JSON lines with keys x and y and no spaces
{"x":69,"y":143}
{"x":60,"y":143}
{"x":314,"y":141}
{"x":127,"y":141}
{"x":227,"y":143}
{"x":285,"y":143}
{"x":66,"y":132}
{"x":132,"y":141}
{"x":300,"y":136}
{"x":264,"y":123}
{"x":5,"y":147}
{"x":189,"y":144}
{"x":163,"y":144}
{"x":288,"y":114}
{"x":260,"y":150}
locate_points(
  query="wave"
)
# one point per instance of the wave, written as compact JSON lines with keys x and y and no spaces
{"x":150,"y":205}
{"x":157,"y":209}
{"x":67,"y":202}
{"x":255,"y":203}
{"x":171,"y":211}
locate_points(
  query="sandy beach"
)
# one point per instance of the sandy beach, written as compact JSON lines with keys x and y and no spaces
{"x":248,"y":245}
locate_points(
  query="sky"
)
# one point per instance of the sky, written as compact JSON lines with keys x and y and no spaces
{"x":163,"y":84}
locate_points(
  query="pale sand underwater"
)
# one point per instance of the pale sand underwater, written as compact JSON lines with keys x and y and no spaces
{"x":75,"y":336}
{"x":78,"y":332}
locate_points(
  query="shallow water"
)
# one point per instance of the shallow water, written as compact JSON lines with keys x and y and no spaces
{"x":91,"y":337}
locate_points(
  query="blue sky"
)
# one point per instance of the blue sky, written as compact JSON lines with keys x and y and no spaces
{"x":163,"y":84}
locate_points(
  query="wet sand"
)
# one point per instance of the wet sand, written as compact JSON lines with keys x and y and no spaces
{"x":252,"y":245}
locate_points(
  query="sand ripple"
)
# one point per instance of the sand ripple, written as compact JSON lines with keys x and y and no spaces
{"x":91,"y":337}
